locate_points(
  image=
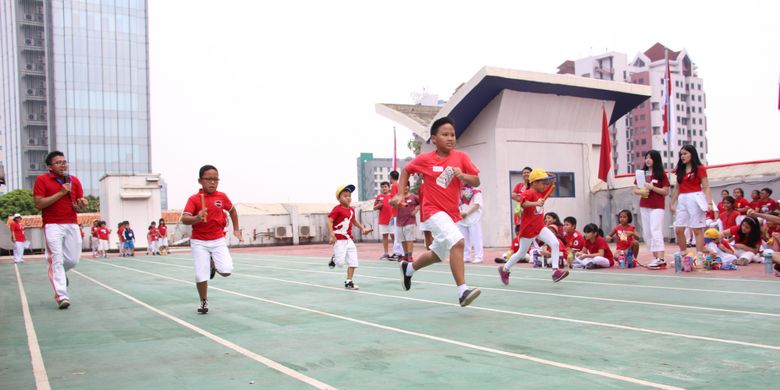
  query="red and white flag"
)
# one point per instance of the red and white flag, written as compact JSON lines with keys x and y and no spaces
{"x":666,"y":93}
{"x":605,"y":157}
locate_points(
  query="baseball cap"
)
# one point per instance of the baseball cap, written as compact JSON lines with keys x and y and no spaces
{"x":17,"y":215}
{"x":711,"y":233}
{"x":538,"y":174}
{"x":347,"y":187}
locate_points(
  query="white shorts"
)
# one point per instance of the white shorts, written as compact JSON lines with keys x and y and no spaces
{"x":424,"y":226}
{"x":345,"y":250}
{"x":445,"y":234}
{"x":204,"y":251}
{"x":690,"y":210}
{"x":102,"y":245}
{"x":94,"y":241}
{"x":162,"y":242}
{"x":384,"y":229}
{"x":407,"y":233}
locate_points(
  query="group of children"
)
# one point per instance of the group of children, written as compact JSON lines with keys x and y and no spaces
{"x":157,"y":238}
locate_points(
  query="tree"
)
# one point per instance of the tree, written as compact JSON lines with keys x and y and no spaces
{"x":17,"y":201}
{"x":93,"y":206}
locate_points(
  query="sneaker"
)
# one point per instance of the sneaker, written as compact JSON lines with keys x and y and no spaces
{"x":504,"y":275}
{"x":213,"y":270}
{"x":590,"y":265}
{"x":500,"y":260}
{"x":469,"y":296}
{"x":657,"y":264}
{"x":407,"y":281}
{"x":351,"y":286}
{"x":204,"y":306}
{"x":477,"y":261}
{"x":560,"y":274}
{"x":395,"y":257}
{"x":467,"y":260}
{"x":64,"y":304}
{"x":332,"y":263}
{"x":385,"y":257}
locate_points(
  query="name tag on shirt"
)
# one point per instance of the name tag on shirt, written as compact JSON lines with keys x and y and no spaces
{"x":438,"y":169}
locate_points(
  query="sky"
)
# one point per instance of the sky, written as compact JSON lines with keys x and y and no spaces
{"x":280,"y":96}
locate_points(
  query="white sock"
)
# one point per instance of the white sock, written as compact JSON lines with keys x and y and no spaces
{"x":461,"y":289}
{"x":348,"y":280}
{"x":409,"y":270}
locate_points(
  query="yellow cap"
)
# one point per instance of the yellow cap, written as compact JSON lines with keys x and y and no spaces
{"x":538,"y":174}
{"x":346,"y":187}
{"x":711,"y":233}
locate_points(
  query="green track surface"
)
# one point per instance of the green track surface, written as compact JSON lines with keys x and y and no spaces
{"x":295,"y":311}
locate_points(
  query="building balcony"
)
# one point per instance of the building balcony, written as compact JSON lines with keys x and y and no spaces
{"x":36,"y":121}
{"x":35,"y":94}
{"x":37,"y":143}
{"x":34,"y":45}
{"x":31,"y":19}
{"x":34,"y":70}
{"x":603,"y":70}
{"x":36,"y":168}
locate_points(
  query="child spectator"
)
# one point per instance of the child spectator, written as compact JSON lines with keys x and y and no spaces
{"x":153,"y":236}
{"x":573,"y":239}
{"x":471,"y":224}
{"x":717,"y":247}
{"x":340,"y":221}
{"x":723,"y":195}
{"x":691,"y":197}
{"x":382,"y":203}
{"x":546,"y":252}
{"x":162,"y":242}
{"x":515,"y":246}
{"x":93,"y":239}
{"x":532,"y":227}
{"x":406,"y":219}
{"x":18,"y":238}
{"x":747,"y":241}
{"x":129,"y":237}
{"x":596,"y":253}
{"x":103,"y":233}
{"x":120,"y":233}
{"x":553,"y":219}
{"x":755,"y":196}
{"x":765,"y":204}
{"x":516,"y":192}
{"x":625,"y":233}
{"x":727,"y":217}
{"x":741,"y":204}
{"x":652,"y":204}
{"x":444,"y":171}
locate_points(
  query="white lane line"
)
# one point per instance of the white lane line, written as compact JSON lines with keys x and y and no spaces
{"x":516,"y":313}
{"x":421,"y":335}
{"x":36,"y":358}
{"x":570,"y":281}
{"x":258,"y":358}
{"x":516,"y":291}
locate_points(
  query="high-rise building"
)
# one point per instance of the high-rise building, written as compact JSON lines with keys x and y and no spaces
{"x":372,"y":172}
{"x":642,"y":129}
{"x":74,"y":78}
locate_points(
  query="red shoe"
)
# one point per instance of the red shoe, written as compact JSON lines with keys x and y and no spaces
{"x":504,"y":275}
{"x":559,"y":274}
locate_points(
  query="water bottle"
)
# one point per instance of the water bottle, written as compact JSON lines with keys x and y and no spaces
{"x":570,"y":257}
{"x":677,"y":262}
{"x":768,"y":262}
{"x":687,"y":263}
{"x":535,"y":255}
{"x":708,"y":263}
{"x":629,"y":259}
{"x":622,"y":261}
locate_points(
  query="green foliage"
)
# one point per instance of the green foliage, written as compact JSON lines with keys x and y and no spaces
{"x":93,"y":206}
{"x":17,"y":201}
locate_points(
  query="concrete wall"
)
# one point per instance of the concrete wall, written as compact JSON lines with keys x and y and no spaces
{"x":134,"y":198}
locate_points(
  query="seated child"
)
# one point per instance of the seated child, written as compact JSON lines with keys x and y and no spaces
{"x":596,"y":253}
{"x":717,"y":247}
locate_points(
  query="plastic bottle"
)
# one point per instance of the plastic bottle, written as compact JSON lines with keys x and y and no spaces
{"x":570,"y":257}
{"x":687,"y":263}
{"x":768,"y":263}
{"x":677,"y":262}
{"x":629,"y":259}
{"x":537,"y":263}
{"x":622,"y":261}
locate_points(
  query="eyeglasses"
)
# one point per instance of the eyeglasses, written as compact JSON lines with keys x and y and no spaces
{"x":59,"y":162}
{"x":209,"y":179}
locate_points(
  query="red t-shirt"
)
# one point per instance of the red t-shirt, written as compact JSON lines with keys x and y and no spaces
{"x":599,"y":243}
{"x":216,"y":220}
{"x":432,"y":166}
{"x":766,"y":205}
{"x":533,"y":217}
{"x":709,"y":214}
{"x":574,"y":240}
{"x":405,"y":213}
{"x":519,"y":189}
{"x":741,"y":203}
{"x":163,"y":229}
{"x":720,"y":207}
{"x":103,"y":233}
{"x":393,"y":191}
{"x":623,"y":236}
{"x":655,"y":200}
{"x":728,"y":219}
{"x":423,"y":216}
{"x":386,"y":212}
{"x":154,"y":234}
{"x":94,"y":231}
{"x":62,"y":210}
{"x":692,"y":180}
{"x":342,"y":217}
{"x":121,"y":233}
{"x":18,"y":231}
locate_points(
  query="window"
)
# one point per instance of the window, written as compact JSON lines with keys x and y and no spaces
{"x":564,"y":185}
{"x":699,"y":110}
{"x":656,"y":130}
{"x":698,"y":86}
{"x":701,"y":121}
{"x":699,"y":97}
{"x":701,"y":145}
{"x":701,"y":132}
{"x":655,"y":106}
{"x":665,"y":154}
{"x":644,"y":141}
{"x":642,"y":117}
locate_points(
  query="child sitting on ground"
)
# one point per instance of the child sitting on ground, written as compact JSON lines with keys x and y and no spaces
{"x":625,"y":234}
{"x":596,"y":253}
{"x":717,"y":247}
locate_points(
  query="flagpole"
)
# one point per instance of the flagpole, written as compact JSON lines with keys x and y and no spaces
{"x":668,"y":101}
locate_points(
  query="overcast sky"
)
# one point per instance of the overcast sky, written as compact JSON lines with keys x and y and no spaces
{"x":280,"y":95}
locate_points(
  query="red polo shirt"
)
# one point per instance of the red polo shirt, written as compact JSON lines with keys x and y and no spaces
{"x":62,"y":210}
{"x":18,"y":232}
{"x":216,"y":220}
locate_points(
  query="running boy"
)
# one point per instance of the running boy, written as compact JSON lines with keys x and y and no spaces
{"x":444,"y":171}
{"x":532,"y":227}
{"x":205,"y":211}
{"x":340,"y":221}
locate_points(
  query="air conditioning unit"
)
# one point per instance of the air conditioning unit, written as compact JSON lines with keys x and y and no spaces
{"x":283,"y":231}
{"x":42,"y":116}
{"x":39,"y":17}
{"x":29,"y":66}
{"x":31,"y":117}
{"x":30,"y":91}
{"x":28,"y":17}
{"x":40,"y":66}
{"x":32,"y":141}
{"x":28,"y":41}
{"x":306,"y":231}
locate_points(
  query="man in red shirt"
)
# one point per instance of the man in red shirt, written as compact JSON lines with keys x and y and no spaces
{"x":205,"y":211}
{"x":59,"y":196}
{"x":444,"y":171}
{"x":382,"y":203}
{"x":17,"y":236}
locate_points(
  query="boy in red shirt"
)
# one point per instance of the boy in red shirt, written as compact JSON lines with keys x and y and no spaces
{"x":532,"y":227}
{"x":382,"y":203}
{"x":59,"y":196}
{"x":444,"y":171}
{"x":162,"y":242}
{"x":103,"y":232}
{"x":340,"y":221}
{"x":93,"y":239}
{"x":205,"y":211}
{"x":573,"y":238}
{"x":17,"y":236}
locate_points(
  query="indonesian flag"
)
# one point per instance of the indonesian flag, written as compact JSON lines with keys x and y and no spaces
{"x":605,"y":157}
{"x":395,"y":158}
{"x":666,"y":93}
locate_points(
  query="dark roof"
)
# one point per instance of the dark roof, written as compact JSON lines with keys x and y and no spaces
{"x":658,"y":52}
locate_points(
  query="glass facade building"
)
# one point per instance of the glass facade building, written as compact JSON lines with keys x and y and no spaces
{"x":90,"y":98}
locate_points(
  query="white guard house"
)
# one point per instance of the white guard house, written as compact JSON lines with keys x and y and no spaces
{"x":130,"y":197}
{"x":507,"y":119}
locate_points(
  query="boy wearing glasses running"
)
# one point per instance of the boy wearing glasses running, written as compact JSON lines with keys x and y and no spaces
{"x":205,"y":211}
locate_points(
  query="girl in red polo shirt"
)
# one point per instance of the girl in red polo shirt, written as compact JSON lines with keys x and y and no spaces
{"x":727,"y":217}
{"x":205,"y":211}
{"x":596,"y":253}
{"x":652,"y":204}
{"x":691,"y":198}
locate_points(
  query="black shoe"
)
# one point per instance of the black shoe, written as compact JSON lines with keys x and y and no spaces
{"x":67,"y":281}
{"x":500,"y":260}
{"x":469,"y":296}
{"x":204,"y":306}
{"x":351,"y":286}
{"x":213,"y":270}
{"x":332,"y":263}
{"x":407,"y":279}
{"x":64,"y":304}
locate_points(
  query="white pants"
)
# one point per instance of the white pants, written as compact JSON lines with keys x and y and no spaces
{"x":345,"y":251}
{"x":747,"y":257}
{"x":652,"y":228}
{"x":63,"y":248}
{"x":154,"y":246}
{"x":93,"y":241}
{"x":472,"y":236}
{"x":204,"y":251}
{"x":18,"y":251}
{"x":398,"y":248}
{"x":600,"y":261}
{"x":547,"y":237}
{"x":445,"y":234}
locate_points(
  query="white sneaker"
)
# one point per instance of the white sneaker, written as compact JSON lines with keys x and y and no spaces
{"x":467,"y":260}
{"x":477,"y":261}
